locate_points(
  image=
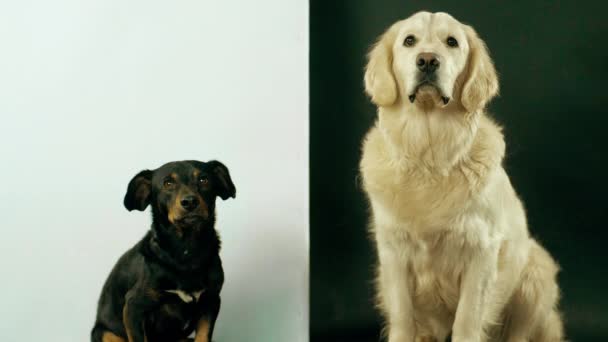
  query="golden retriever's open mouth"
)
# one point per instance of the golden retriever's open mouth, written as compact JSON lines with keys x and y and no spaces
{"x":425,"y":84}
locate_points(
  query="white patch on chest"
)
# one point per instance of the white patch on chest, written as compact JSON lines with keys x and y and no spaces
{"x":187,"y":297}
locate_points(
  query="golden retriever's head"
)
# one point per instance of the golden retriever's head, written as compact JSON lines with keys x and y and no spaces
{"x":431,"y":60}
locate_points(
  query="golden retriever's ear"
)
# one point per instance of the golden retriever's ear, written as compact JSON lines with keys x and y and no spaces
{"x":481,"y":83}
{"x":380,"y":83}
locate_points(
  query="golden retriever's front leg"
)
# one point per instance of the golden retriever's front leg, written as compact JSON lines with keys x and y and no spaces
{"x":394,"y":294}
{"x":475,"y":289}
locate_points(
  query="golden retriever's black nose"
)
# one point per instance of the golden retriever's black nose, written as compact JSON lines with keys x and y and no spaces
{"x":189,"y":203}
{"x":427,"y":62}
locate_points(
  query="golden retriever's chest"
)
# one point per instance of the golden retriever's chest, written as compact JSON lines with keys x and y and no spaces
{"x":436,"y":267}
{"x":413,"y":195}
{"x":408,"y":189}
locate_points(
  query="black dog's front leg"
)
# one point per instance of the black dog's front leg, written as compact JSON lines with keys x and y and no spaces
{"x":209,"y":305}
{"x":137,"y":303}
{"x":210,"y":308}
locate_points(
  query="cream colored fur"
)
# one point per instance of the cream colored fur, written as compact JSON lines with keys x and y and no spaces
{"x":454,"y":251}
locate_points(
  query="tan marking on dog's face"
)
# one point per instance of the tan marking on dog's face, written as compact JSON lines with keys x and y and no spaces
{"x":110,"y":337}
{"x":180,"y":181}
{"x":176,"y":211}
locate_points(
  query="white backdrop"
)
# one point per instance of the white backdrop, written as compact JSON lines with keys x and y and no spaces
{"x":91,"y":92}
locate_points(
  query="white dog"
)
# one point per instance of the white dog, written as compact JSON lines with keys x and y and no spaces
{"x":453,"y":245}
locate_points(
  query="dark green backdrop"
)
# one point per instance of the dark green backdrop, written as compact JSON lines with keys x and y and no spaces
{"x":553,"y":61}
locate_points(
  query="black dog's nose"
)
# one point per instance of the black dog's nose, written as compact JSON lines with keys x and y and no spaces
{"x":427,"y":62}
{"x":189,"y":202}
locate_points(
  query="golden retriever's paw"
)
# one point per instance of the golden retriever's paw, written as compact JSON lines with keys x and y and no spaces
{"x":426,"y":338}
{"x":465,"y":339}
{"x":398,"y":336}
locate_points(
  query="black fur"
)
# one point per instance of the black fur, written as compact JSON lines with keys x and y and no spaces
{"x":179,"y":252}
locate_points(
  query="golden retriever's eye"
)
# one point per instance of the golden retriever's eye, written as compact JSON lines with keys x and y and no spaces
{"x":409,"y":41}
{"x":168,"y":183}
{"x":203,"y":180}
{"x":452,"y":42}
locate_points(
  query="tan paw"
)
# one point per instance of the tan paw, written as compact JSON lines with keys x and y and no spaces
{"x":425,"y":339}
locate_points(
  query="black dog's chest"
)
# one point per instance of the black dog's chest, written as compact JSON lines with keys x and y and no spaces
{"x":182,"y":294}
{"x":186,"y":297}
{"x":177,"y":313}
{"x":179,"y":299}
{"x":187,"y":287}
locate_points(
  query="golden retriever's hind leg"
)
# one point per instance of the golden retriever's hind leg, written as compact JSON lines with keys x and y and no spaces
{"x":531,"y":314}
{"x":551,"y":329}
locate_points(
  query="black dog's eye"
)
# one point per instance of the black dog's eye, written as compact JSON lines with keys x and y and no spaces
{"x":452,"y":42}
{"x":409,"y":41}
{"x":203,"y":180}
{"x":168,"y":183}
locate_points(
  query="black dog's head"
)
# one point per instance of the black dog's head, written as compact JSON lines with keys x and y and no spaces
{"x":182,"y":194}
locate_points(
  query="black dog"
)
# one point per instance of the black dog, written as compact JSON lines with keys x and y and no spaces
{"x":168,"y":285}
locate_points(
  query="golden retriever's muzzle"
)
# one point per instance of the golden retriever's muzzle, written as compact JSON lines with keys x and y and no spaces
{"x":427,"y":64}
{"x":429,"y":81}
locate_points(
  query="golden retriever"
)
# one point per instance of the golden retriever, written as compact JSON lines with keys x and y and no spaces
{"x":454,"y":252}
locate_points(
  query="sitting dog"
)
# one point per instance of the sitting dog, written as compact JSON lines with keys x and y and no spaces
{"x":168,"y":285}
{"x":454,"y":252}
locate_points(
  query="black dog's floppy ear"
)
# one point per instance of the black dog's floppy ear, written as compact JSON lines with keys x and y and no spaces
{"x":225,"y":187}
{"x":139,"y":190}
